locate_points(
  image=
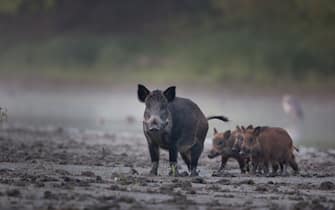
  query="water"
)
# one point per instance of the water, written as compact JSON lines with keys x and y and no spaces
{"x":114,"y":110}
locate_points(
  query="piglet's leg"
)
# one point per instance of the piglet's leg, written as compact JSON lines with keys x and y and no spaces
{"x":266,"y":168}
{"x":224,"y":160}
{"x":285,"y":173}
{"x":241,"y":162}
{"x":254,"y":164}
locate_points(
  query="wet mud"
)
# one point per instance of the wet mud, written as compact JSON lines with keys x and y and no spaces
{"x":58,"y":168}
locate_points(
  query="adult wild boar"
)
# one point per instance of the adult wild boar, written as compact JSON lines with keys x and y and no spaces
{"x":174,"y":124}
{"x":223,"y":144}
{"x":269,"y":145}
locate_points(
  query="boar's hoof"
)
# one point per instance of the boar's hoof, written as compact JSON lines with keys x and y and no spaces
{"x":295,"y":173}
{"x":272,"y":174}
{"x":154,"y":169}
{"x":153,"y":173}
{"x":285,"y":174}
{"x":173,"y":170}
{"x":183,"y":174}
{"x":194,"y":173}
{"x":221,"y":169}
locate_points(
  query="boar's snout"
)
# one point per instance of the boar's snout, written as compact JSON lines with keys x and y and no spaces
{"x":155,"y":124}
{"x":154,"y":128}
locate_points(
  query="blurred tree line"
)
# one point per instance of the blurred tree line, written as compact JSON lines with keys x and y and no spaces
{"x":261,"y":38}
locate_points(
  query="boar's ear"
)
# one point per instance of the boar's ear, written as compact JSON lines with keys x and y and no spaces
{"x":250,"y":127}
{"x":170,"y":93}
{"x":257,"y":131}
{"x":142,"y":92}
{"x":226,"y":134}
{"x":215,"y":131}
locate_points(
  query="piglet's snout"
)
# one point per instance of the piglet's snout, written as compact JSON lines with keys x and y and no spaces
{"x":234,"y":149}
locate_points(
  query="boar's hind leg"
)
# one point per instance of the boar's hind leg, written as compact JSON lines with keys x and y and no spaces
{"x":154,"y":155}
{"x":196,"y":151}
{"x":186,"y":157}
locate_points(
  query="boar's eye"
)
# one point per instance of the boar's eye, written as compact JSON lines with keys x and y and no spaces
{"x":164,"y":114}
{"x":146,"y":115}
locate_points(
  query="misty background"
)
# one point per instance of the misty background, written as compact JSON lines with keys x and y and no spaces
{"x":76,"y":64}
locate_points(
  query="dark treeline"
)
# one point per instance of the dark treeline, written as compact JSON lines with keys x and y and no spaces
{"x":262,"y":38}
{"x":98,"y":15}
{"x":128,"y":15}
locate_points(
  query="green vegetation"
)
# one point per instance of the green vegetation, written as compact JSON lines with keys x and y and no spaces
{"x":263,"y":42}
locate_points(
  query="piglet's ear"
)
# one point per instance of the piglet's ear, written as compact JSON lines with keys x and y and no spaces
{"x":142,"y":92}
{"x":215,"y":131}
{"x":249,"y":127}
{"x":226,"y":134}
{"x":170,"y":93}
{"x":257,"y":131}
{"x":238,"y":129}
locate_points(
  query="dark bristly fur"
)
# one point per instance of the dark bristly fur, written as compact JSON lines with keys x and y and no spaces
{"x":174,"y":124}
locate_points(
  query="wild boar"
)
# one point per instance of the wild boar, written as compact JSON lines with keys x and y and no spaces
{"x":269,"y":145}
{"x":223,"y":145}
{"x":174,"y":124}
{"x":239,"y":138}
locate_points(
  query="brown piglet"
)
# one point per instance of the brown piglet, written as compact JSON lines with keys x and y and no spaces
{"x":223,"y":146}
{"x":269,"y":145}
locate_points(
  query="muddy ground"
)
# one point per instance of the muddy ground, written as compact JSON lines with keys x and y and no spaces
{"x":56,"y":168}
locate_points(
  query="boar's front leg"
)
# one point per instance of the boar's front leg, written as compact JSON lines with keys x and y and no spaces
{"x":154,"y":155}
{"x":173,"y":154}
{"x":186,"y":157}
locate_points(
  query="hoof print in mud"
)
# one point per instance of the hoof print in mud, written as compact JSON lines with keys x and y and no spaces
{"x":13,"y":193}
{"x":199,"y":180}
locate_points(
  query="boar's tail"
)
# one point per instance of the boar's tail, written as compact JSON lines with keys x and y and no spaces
{"x":223,"y":118}
{"x":296,"y":148}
